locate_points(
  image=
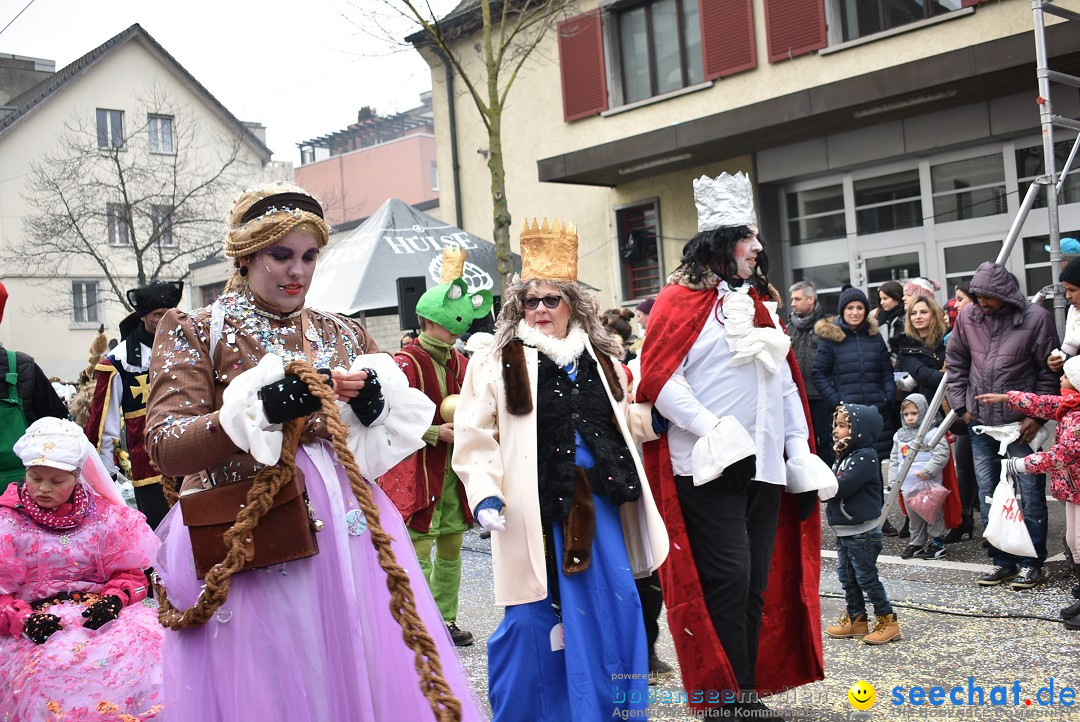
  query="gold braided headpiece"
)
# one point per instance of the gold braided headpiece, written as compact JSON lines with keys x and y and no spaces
{"x":248,"y":236}
{"x":549,"y":252}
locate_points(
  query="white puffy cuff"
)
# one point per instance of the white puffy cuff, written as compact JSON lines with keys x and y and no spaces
{"x":400,"y":427}
{"x":725,"y":444}
{"x":242,"y":414}
{"x":796,"y":447}
{"x":810,"y":473}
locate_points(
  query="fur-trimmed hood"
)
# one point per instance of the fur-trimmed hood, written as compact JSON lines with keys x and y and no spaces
{"x":833,"y":328}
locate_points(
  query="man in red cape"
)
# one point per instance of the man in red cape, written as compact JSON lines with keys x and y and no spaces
{"x":740,"y":537}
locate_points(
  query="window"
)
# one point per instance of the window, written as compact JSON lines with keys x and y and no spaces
{"x":827,"y":279}
{"x":1037,"y":268}
{"x":961,"y":261}
{"x":159,"y":128}
{"x":110,"y":128}
{"x":895,"y":267}
{"x":659,"y":44}
{"x":209,"y":293}
{"x":816,"y":215}
{"x":638,"y":227}
{"x":1029,"y":164}
{"x":970,"y":188}
{"x":84,"y":302}
{"x":888,"y":202}
{"x":116,"y":220}
{"x":860,"y":18}
{"x":161,"y":219}
{"x":434,"y":176}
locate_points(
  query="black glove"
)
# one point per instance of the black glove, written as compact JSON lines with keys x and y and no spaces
{"x":368,"y":404}
{"x":102,"y":611}
{"x":40,"y":627}
{"x":290,"y":398}
{"x":807,"y":501}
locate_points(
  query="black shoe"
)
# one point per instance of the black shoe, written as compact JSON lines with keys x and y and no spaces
{"x":658,"y":668}
{"x":460,"y":636}
{"x":887,"y":529}
{"x":935,"y":549}
{"x":1076,"y":591}
{"x":905,"y":532}
{"x":485,"y":534}
{"x":967,"y":526}
{"x":1072,"y":610}
{"x":912,"y":551}
{"x":1029,"y":578}
{"x":997,"y":575}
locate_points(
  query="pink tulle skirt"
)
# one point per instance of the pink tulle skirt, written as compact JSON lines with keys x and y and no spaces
{"x":311,"y":640}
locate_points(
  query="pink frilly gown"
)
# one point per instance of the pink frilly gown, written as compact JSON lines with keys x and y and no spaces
{"x":313,"y":640}
{"x":112,"y":673}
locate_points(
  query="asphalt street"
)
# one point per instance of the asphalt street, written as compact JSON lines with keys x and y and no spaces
{"x":952,"y":629}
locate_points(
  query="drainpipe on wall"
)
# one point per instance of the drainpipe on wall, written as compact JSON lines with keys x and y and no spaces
{"x":455,"y":168}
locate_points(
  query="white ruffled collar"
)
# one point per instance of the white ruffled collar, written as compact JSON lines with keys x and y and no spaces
{"x":562,"y":351}
{"x":746,"y":341}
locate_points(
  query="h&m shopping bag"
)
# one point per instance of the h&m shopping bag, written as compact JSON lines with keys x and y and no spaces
{"x":1006,"y":529}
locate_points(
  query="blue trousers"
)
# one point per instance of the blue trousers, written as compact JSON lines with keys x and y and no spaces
{"x":856,"y":566}
{"x":984,"y":453}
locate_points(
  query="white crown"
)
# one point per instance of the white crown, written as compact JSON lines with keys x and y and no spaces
{"x":723,"y":202}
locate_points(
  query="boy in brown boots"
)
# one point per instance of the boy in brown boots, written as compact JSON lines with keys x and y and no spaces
{"x":853,"y":515}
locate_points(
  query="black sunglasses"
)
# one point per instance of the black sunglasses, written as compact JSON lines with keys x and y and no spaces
{"x":533,"y":302}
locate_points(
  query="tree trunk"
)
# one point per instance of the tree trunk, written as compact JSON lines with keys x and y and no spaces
{"x":500,"y":208}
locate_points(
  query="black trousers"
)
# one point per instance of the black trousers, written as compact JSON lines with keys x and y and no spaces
{"x":965,"y":478}
{"x":652,"y":601}
{"x":731,"y":524}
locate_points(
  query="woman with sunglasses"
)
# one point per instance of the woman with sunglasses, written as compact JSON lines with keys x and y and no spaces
{"x":549,"y":465}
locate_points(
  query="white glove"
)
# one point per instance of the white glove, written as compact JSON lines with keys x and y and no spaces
{"x":906,"y":383}
{"x":1014,"y":466}
{"x":491,"y":520}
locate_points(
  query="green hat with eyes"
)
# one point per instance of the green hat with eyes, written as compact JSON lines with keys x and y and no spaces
{"x":450,"y":304}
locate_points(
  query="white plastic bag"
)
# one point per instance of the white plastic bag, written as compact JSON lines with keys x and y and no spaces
{"x":725,"y":444}
{"x":810,"y":473}
{"x":1006,"y":529}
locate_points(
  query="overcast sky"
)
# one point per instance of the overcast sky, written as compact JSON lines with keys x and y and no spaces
{"x":298,"y":67}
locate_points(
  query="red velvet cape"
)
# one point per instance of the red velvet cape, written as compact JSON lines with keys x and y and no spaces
{"x":790,"y":652}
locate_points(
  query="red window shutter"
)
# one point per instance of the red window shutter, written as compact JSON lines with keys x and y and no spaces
{"x":794,"y":27}
{"x":727,"y":37}
{"x":581,"y":62}
{"x":969,"y":3}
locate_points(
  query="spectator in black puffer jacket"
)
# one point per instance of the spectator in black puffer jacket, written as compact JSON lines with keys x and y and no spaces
{"x":852,"y":363}
{"x":805,"y":312}
{"x":920,"y":350}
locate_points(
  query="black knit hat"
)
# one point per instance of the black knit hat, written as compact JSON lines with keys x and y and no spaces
{"x":1071,"y":273}
{"x":852,"y":295}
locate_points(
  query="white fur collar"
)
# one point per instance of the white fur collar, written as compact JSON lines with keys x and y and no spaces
{"x":560,"y":350}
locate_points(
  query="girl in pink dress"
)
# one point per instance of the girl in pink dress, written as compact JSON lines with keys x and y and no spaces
{"x":76,"y":641}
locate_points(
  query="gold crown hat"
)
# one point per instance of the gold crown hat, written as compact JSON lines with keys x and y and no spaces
{"x":549,"y":252}
{"x":453,"y":264}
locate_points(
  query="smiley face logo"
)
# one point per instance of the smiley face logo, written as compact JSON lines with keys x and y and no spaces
{"x":862,"y":695}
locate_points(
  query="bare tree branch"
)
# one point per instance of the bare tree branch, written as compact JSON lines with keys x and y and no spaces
{"x":140,"y":211}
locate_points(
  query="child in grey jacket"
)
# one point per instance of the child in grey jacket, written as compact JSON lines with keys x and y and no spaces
{"x":925,"y":469}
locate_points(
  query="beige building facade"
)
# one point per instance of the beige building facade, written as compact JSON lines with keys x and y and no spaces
{"x":54,"y":313}
{"x":881,"y":146}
